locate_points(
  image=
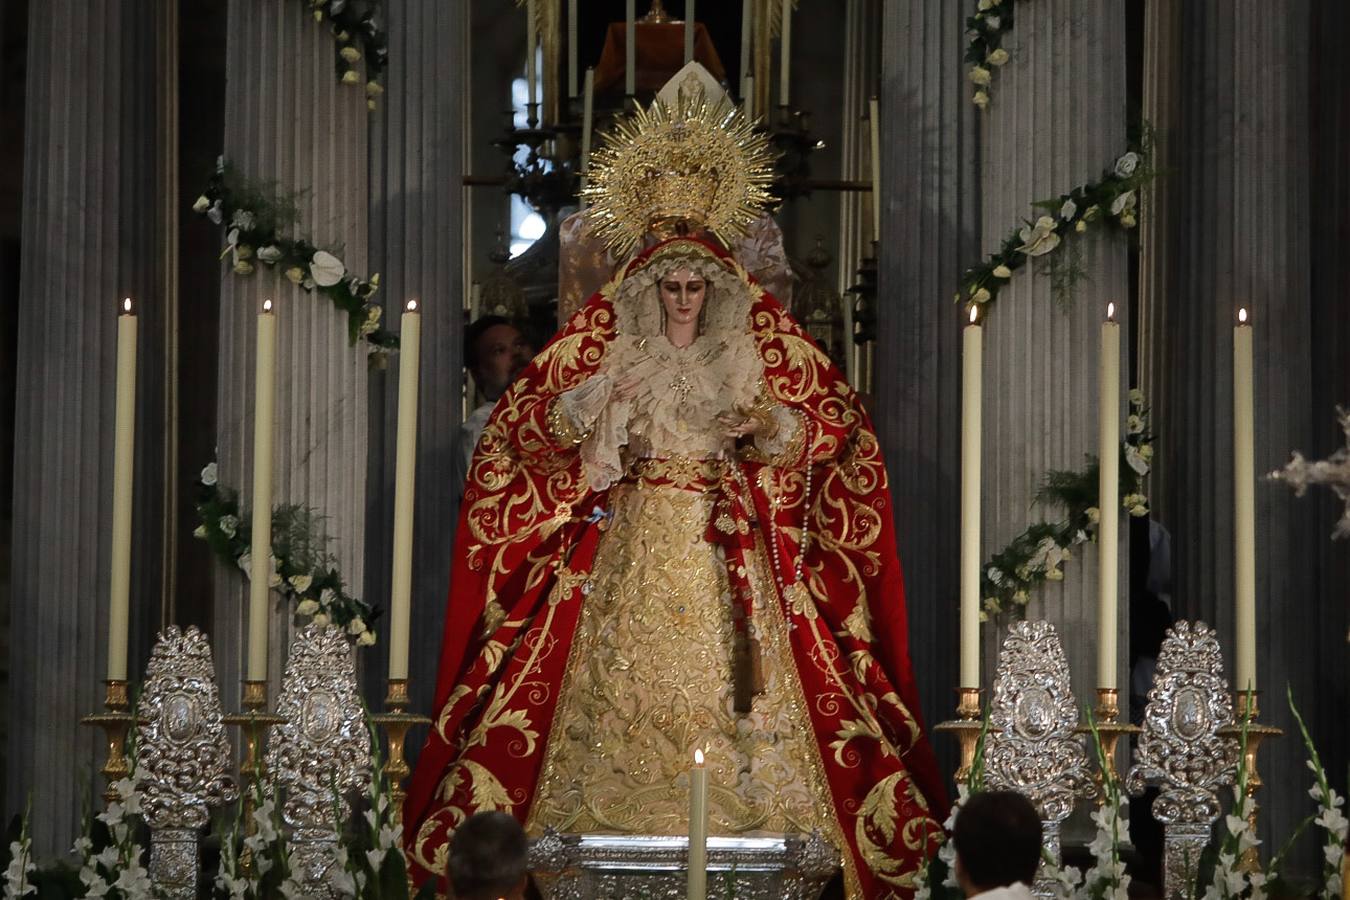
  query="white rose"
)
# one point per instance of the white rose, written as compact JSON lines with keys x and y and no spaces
{"x":1146,"y":451}
{"x":366,"y":639}
{"x":243,"y":267}
{"x":1080,"y":226}
{"x":1136,"y":396}
{"x":1054,"y":574}
{"x":372,"y":322}
{"x":1133,"y":424}
{"x":295,"y":274}
{"x":992,"y":22}
{"x":199,"y":531}
{"x":229,"y":525}
{"x":981,"y":296}
{"x":374,"y":88}
{"x":1126,"y":165}
{"x":320,"y":619}
{"x":243,"y":220}
{"x":997,"y":58}
{"x":356,"y":625}
{"x":1067,"y":209}
{"x":301,"y":583}
{"x":216,"y":213}
{"x":350,"y":77}
{"x":208,"y":475}
{"x":984,"y":4}
{"x":994,"y":574}
{"x":307,"y":607}
{"x":1122,"y":203}
{"x":1127,"y":220}
{"x":1002,"y":272}
{"x":981,"y":99}
{"x":1094,"y":514}
{"x":979,"y":75}
{"x":326,"y":269}
{"x":269,"y":254}
{"x":1021,"y":598}
{"x":350,"y":54}
{"x":326,"y":597}
{"x":202,"y":204}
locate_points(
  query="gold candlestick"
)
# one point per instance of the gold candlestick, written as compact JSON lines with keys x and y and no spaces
{"x":116,"y":722}
{"x":1247,"y":708}
{"x":252,"y":721}
{"x":1106,"y":719}
{"x":396,"y":722}
{"x":966,"y":726}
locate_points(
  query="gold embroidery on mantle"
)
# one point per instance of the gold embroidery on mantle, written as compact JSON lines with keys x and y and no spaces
{"x":621,"y":743}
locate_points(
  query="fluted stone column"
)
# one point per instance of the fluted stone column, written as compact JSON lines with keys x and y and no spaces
{"x":1057,"y":119}
{"x":1242,"y":152}
{"x":929,"y":234}
{"x":416,"y":232}
{"x":89,"y":224}
{"x":288,"y":119}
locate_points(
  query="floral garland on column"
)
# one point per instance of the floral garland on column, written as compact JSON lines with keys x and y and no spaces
{"x":1038,"y":554}
{"x":356,"y":22}
{"x":254,"y":213}
{"x":984,"y":46}
{"x":301,"y":568}
{"x":1111,"y":201}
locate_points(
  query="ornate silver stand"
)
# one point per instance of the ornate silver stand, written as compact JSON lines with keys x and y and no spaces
{"x":184,"y":755}
{"x":1032,"y":747}
{"x":617,"y":867}
{"x":1183,"y":748}
{"x":320,"y":753}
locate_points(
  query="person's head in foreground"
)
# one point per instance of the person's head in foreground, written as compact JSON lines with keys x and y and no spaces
{"x":488,"y":858}
{"x":998,"y":842}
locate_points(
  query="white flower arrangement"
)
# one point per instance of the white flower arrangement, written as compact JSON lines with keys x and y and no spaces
{"x":117,"y":870}
{"x":269,"y":874}
{"x":985,"y":30}
{"x":300,"y":567}
{"x":358,"y":34}
{"x":19,"y":871}
{"x":1039,"y":553}
{"x":257,"y":213}
{"x":1330,"y":819}
{"x":1064,"y":218}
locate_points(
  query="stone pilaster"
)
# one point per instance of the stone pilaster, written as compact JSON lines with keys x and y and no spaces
{"x":928,"y":235}
{"x":89,"y":225}
{"x":288,"y":119}
{"x":416,"y":230}
{"x":1241,"y":154}
{"x":1057,"y":119}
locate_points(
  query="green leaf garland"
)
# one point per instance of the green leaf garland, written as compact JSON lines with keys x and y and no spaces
{"x":254,"y":214}
{"x":303,"y":569}
{"x":985,"y":30}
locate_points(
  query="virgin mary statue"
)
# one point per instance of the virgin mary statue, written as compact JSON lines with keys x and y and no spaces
{"x":676,"y":534}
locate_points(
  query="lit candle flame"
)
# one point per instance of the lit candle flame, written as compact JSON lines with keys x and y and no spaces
{"x":412,"y":305}
{"x":267,"y":306}
{"x":698,"y":757}
{"x":1242,"y":316}
{"x":1110,"y":312}
{"x":974,"y":313}
{"x":126,"y":306}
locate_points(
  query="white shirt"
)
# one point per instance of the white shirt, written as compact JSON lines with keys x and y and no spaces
{"x":1015,"y":891}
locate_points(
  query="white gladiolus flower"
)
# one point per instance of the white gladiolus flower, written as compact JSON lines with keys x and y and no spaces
{"x":326,"y":269}
{"x":208,"y":476}
{"x":1127,"y":164}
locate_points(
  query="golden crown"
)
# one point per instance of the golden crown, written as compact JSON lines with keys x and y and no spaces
{"x":698,"y":165}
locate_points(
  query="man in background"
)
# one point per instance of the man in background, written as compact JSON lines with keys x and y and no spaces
{"x":495,"y":352}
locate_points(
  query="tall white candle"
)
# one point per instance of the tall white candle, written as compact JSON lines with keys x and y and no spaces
{"x":531,"y":41}
{"x":785,"y":54}
{"x":260,"y":550}
{"x":698,"y":829}
{"x":124,"y":444}
{"x":747,"y":27}
{"x":572,"y":49}
{"x":587,"y":125}
{"x":874,"y":129}
{"x":630,"y":48}
{"x":689,"y":22}
{"x":405,"y":470}
{"x":1244,"y":499}
{"x":972,"y":393}
{"x":1108,"y":498}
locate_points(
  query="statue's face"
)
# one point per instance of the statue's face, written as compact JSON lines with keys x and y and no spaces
{"x":682,"y":294}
